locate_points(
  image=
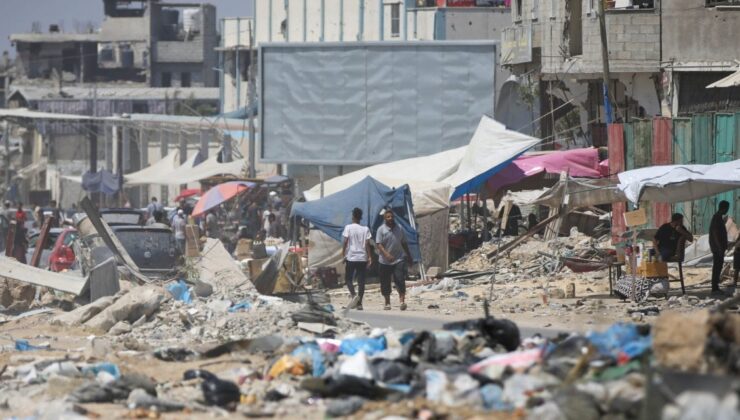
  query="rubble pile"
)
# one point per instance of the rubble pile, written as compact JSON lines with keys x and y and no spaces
{"x":475,"y":367}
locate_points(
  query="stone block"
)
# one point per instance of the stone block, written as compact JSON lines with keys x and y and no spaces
{"x":141,"y":301}
{"x":679,"y":340}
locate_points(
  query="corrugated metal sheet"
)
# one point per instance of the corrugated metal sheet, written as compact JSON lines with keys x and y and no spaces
{"x":643,"y":143}
{"x":628,"y":134}
{"x":616,"y":165}
{"x":724,"y":151}
{"x":661,"y":155}
{"x":683,"y":153}
{"x":702,"y":133}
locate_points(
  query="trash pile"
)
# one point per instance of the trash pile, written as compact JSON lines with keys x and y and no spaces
{"x":478,"y":366}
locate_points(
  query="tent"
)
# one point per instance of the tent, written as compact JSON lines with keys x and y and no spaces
{"x":676,"y":183}
{"x":579,"y":163}
{"x":156,"y":171}
{"x":491,"y":149}
{"x":331,"y":213}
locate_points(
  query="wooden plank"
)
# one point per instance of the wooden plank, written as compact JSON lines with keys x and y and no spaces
{"x":41,"y":241}
{"x":520,"y":239}
{"x":13,"y":270}
{"x":10,"y":239}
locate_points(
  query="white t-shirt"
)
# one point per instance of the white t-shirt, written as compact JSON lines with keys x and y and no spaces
{"x":356,"y":236}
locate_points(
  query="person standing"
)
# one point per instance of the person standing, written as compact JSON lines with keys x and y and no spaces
{"x":211,"y":225}
{"x":178,"y":225}
{"x":393,"y":252}
{"x":153,"y":206}
{"x":718,"y":243}
{"x":56,"y":213}
{"x":356,"y":253}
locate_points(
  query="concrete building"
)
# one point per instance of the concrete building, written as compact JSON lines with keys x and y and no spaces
{"x":555,"y":49}
{"x":160,"y":44}
{"x":699,"y":47}
{"x":660,"y":61}
{"x":235,"y":59}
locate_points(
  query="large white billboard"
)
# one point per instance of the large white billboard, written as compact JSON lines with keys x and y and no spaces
{"x":365,"y":103}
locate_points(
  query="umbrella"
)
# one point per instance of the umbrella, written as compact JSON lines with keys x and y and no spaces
{"x":219,"y":194}
{"x":188,"y":192}
{"x":276,"y":179}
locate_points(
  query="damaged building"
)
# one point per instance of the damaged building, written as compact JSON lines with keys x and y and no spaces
{"x":145,"y":41}
{"x":555,"y":49}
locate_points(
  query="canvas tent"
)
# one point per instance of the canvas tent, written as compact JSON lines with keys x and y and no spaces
{"x":676,"y":183}
{"x":157,"y":171}
{"x":331,"y":213}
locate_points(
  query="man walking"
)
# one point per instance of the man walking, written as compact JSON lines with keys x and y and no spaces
{"x":356,"y":253}
{"x":178,"y":225}
{"x":393,"y":251}
{"x":718,"y":243}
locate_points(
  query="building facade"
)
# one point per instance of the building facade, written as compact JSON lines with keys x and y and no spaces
{"x":146,"y":41}
{"x":554,"y":47}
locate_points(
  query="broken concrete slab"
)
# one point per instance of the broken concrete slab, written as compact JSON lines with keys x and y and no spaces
{"x":141,"y":301}
{"x":13,"y":270}
{"x":82,"y":314}
{"x":679,"y":340}
{"x":104,"y":280}
{"x":218,"y":269}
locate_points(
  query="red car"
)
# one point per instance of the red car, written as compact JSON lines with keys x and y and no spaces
{"x":62,"y":256}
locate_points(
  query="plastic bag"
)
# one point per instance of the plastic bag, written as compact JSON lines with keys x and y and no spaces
{"x":310,"y":354}
{"x":370,"y":346}
{"x":621,"y":341}
{"x":216,"y":391}
{"x":245,"y":305}
{"x":180,"y":291}
{"x":287,"y":364}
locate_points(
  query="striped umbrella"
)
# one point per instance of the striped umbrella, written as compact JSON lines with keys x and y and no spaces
{"x":219,"y":194}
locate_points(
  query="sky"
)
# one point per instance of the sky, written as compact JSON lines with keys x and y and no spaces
{"x":18,"y":15}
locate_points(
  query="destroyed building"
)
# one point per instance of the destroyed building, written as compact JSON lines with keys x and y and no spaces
{"x":145,"y":41}
{"x":555,"y":49}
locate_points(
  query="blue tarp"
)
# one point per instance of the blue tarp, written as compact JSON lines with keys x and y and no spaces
{"x":333,"y":212}
{"x":104,"y":181}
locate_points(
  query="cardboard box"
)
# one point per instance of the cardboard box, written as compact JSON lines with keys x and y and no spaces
{"x":635,"y":218}
{"x":653,"y":269}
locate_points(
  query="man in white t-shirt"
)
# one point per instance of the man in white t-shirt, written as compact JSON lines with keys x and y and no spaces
{"x":356,"y":252}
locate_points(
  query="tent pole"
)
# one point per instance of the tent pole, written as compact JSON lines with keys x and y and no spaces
{"x":412,"y":220}
{"x":321,"y":180}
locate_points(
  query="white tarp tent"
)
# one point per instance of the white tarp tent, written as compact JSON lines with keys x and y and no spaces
{"x":676,"y":183}
{"x":206,"y":169}
{"x":491,"y":149}
{"x":159,"y":170}
{"x":432,"y":180}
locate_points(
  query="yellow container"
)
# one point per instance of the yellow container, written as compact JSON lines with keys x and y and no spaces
{"x":653,"y":269}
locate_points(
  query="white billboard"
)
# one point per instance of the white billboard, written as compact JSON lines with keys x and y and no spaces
{"x":365,"y":103}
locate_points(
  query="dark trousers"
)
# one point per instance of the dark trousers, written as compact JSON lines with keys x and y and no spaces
{"x":718,"y":260}
{"x":352,"y":269}
{"x":395,"y":273}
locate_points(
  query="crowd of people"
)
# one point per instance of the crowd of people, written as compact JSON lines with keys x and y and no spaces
{"x":261,"y":212}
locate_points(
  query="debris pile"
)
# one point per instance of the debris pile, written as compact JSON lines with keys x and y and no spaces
{"x":480,"y":365}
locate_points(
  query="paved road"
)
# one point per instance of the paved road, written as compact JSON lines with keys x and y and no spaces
{"x":402,"y":322}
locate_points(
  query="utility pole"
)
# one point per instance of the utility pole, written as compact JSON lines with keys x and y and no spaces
{"x":6,"y":140}
{"x":251,"y":108}
{"x":605,"y":61}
